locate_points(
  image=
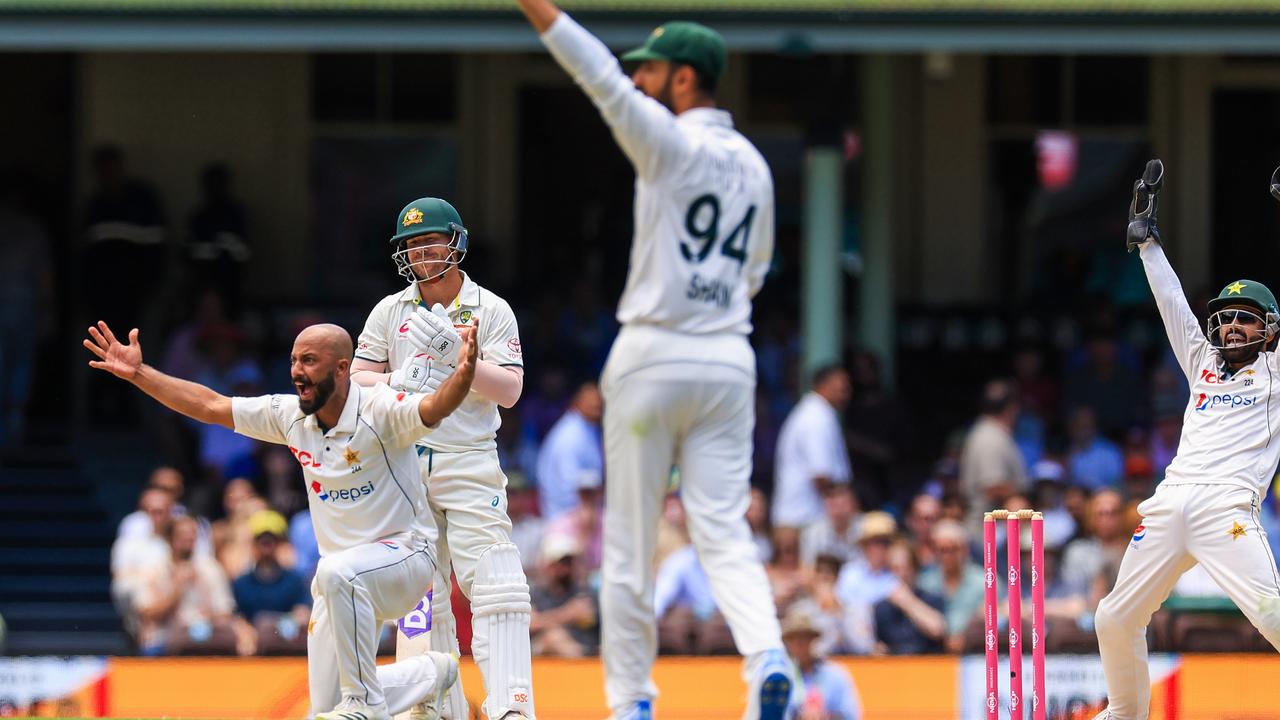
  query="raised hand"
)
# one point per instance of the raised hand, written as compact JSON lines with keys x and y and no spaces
{"x":114,"y":357}
{"x":469,"y":351}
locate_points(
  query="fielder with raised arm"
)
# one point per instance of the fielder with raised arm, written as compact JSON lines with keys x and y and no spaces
{"x":1206,"y":508}
{"x":356,"y":448}
{"x":679,"y":385}
{"x":412,"y":332}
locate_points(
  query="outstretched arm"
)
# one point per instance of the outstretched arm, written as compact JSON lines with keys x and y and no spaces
{"x":1180,"y":323}
{"x":125,"y":362}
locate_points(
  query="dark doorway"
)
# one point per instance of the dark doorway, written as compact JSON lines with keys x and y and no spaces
{"x":1246,"y":220}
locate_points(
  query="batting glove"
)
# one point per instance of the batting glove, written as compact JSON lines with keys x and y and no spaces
{"x":431,"y":331}
{"x":413,"y":375}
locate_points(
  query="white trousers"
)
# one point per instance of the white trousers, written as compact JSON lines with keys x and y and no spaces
{"x":353,"y":592}
{"x":654,"y":420}
{"x":468,"y":497}
{"x":1214,"y":525}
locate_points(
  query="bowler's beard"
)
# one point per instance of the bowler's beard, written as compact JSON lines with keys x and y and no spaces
{"x":663,"y":95}
{"x":1241,"y":354}
{"x":323,"y":391}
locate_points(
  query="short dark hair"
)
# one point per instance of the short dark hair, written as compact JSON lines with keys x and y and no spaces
{"x":706,"y":83}
{"x":824,"y":373}
{"x":997,"y":396}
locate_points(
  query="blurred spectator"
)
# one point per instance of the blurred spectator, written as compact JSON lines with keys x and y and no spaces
{"x":138,"y":523}
{"x":758,"y":521}
{"x":586,"y":329}
{"x":956,"y":579}
{"x":786,"y":577}
{"x":1049,"y":491}
{"x":273,"y":603}
{"x":133,"y":555}
{"x":566,"y":620}
{"x":689,"y":621}
{"x":924,"y":513}
{"x":572,"y":455}
{"x":991,"y":466}
{"x":185,"y":602}
{"x":836,"y":533}
{"x":673,"y":533}
{"x":543,"y":407}
{"x":1102,"y":380}
{"x":811,"y":451}
{"x":909,"y":621}
{"x":822,"y":604}
{"x":1039,"y":391}
{"x":26,"y":291}
{"x":1106,"y":540}
{"x":302,"y":536}
{"x":526,"y":525}
{"x":827,"y":691}
{"x":125,"y":239}
{"x":283,"y":478}
{"x":232,"y":538}
{"x":880,"y":434}
{"x":217,"y":236}
{"x":868,"y":580}
{"x":1166,"y":431}
{"x":583,"y":523}
{"x":229,"y":370}
{"x":1095,"y":461}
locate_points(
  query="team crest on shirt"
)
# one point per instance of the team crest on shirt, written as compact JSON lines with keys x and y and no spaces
{"x":464,"y":318}
{"x":353,"y":460}
{"x":1237,"y":530}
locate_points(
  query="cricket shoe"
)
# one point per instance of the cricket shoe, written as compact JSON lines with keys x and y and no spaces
{"x":1104,"y":715}
{"x":353,"y":709}
{"x":446,"y":665}
{"x":770,"y":692}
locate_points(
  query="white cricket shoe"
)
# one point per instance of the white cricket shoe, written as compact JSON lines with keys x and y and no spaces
{"x":352,"y":709}
{"x":1104,"y":715}
{"x":446,"y":675}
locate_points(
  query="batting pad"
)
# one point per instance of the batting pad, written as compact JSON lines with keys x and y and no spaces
{"x":444,"y":638}
{"x":500,"y":610}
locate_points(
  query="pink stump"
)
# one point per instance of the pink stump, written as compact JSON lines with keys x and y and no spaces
{"x":1038,"y":694}
{"x":1015,"y":617}
{"x":989,"y":615}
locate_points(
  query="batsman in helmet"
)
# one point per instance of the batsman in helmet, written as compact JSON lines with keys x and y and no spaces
{"x":1206,"y":509}
{"x":411,"y":341}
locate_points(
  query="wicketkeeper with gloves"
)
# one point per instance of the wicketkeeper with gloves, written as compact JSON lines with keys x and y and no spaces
{"x":410,"y":341}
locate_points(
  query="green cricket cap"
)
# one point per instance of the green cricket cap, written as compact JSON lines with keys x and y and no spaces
{"x":1245,"y":292}
{"x":426,"y":215}
{"x":688,"y":43}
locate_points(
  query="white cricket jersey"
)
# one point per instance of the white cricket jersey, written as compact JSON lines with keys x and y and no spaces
{"x":704,"y":199}
{"x":361,"y":474}
{"x":1230,"y":425}
{"x":385,"y":338}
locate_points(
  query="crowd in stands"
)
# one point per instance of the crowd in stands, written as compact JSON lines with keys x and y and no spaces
{"x":867,"y":516}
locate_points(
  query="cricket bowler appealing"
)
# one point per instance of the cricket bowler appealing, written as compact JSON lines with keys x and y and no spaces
{"x":1206,"y":508}
{"x":356,"y":449}
{"x":679,"y":385}
{"x":413,"y":331}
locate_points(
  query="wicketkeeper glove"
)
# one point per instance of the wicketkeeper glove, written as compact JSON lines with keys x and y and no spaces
{"x":1142,"y":223}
